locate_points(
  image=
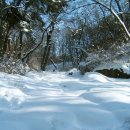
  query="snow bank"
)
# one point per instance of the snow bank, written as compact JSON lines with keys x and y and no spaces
{"x":59,"y":101}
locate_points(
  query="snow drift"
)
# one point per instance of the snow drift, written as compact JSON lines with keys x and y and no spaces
{"x":58,"y":101}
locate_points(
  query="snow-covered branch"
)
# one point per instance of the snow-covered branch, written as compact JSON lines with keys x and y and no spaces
{"x":115,"y":15}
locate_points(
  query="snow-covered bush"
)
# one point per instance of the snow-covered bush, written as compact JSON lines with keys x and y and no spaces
{"x":9,"y":65}
{"x":116,"y":57}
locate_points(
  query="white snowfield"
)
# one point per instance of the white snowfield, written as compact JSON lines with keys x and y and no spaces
{"x":58,"y":101}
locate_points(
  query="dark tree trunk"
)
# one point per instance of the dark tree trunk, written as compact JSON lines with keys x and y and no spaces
{"x":6,"y":41}
{"x":45,"y":57}
{"x":47,"y":49}
{"x":129,"y":5}
{"x":20,"y":45}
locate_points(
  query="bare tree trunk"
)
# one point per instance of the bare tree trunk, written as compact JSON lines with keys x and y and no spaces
{"x":6,"y":40}
{"x":45,"y":57}
{"x":47,"y":49}
{"x":20,"y":45}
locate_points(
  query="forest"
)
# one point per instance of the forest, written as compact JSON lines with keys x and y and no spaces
{"x":63,"y":34}
{"x":64,"y":64}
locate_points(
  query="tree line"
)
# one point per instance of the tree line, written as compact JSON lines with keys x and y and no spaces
{"x":29,"y":29}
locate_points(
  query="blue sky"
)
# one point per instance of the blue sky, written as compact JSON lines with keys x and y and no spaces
{"x":8,"y":1}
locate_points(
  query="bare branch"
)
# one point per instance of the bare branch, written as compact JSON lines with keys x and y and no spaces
{"x":115,"y":15}
{"x":33,"y":49}
{"x":80,"y":48}
{"x":102,"y":4}
{"x":121,"y":22}
{"x":53,"y":63}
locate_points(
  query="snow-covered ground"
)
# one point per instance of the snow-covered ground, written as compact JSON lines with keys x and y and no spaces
{"x":58,"y":101}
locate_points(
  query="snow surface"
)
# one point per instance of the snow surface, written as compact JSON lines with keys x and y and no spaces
{"x":59,"y":101}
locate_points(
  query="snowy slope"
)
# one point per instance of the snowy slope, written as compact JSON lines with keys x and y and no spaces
{"x":58,"y":101}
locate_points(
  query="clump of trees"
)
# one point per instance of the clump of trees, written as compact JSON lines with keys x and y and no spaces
{"x":100,"y":29}
{"x":42,"y":32}
{"x":21,"y":23}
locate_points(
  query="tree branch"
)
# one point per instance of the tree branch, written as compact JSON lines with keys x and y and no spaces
{"x":33,"y":49}
{"x":115,"y":15}
{"x":80,"y":7}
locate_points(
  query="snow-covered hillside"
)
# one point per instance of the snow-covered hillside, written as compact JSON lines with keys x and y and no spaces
{"x":58,"y":101}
